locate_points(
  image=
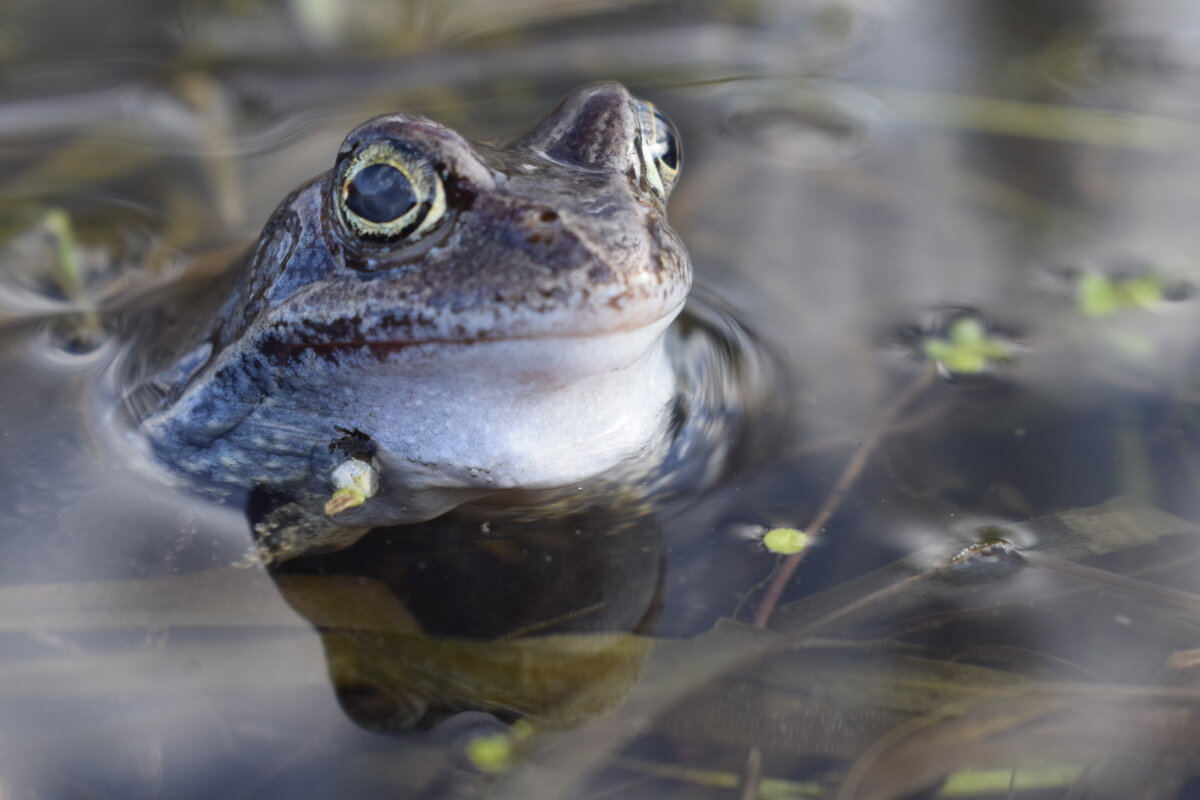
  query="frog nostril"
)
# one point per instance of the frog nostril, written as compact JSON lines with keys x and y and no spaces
{"x":537,"y":226}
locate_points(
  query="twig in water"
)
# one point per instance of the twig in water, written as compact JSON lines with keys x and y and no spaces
{"x":752,"y":775}
{"x":853,"y":469}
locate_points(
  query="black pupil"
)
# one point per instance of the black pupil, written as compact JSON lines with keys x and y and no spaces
{"x":380,"y":193}
{"x":669,"y":146}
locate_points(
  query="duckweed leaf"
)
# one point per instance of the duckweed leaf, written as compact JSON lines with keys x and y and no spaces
{"x":967,"y":348}
{"x":491,"y":753}
{"x":785,"y":541}
{"x":891,"y":591}
{"x":1099,"y":295}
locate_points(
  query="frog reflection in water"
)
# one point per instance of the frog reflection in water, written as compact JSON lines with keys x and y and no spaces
{"x":468,"y":320}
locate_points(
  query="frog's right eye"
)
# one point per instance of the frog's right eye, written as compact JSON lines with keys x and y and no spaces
{"x":388,"y":192}
{"x":661,"y":151}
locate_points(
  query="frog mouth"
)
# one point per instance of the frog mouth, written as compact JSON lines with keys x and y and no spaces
{"x":391,"y":339}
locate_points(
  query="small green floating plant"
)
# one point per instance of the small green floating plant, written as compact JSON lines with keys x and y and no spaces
{"x":496,"y":752}
{"x":1113,"y":303}
{"x":1098,"y":295}
{"x":967,"y":348}
{"x":491,"y":753}
{"x":785,"y":541}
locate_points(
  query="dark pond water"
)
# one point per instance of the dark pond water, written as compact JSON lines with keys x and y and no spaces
{"x":966,"y":231}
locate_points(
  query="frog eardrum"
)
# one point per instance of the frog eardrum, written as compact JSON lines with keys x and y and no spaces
{"x":389,"y":192}
{"x":660,"y":148}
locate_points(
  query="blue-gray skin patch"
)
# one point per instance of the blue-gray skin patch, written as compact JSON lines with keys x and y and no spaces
{"x":507,"y":334}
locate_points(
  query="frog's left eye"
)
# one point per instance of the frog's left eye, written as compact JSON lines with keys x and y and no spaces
{"x":661,"y":150}
{"x":389,"y":192}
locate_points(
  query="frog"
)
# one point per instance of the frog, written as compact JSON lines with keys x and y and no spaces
{"x":451,"y":325}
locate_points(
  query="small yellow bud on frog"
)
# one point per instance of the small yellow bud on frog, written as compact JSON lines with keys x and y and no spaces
{"x":343,"y":499}
{"x":354,"y":481}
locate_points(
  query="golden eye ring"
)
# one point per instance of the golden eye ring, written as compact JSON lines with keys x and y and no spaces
{"x":390,"y":192}
{"x":662,"y":152}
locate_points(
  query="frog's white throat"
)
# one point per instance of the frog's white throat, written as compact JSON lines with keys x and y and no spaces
{"x":451,"y":422}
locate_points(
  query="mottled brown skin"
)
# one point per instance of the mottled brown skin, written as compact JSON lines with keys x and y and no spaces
{"x":554,"y":233}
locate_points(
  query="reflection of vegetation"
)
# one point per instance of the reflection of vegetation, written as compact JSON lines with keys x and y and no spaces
{"x":70,"y":275}
{"x":768,"y":788}
{"x":40,"y":249}
{"x":1039,"y":120}
{"x":897,"y":716}
{"x":904,"y":718}
{"x":558,"y":679}
{"x":972,"y":783}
